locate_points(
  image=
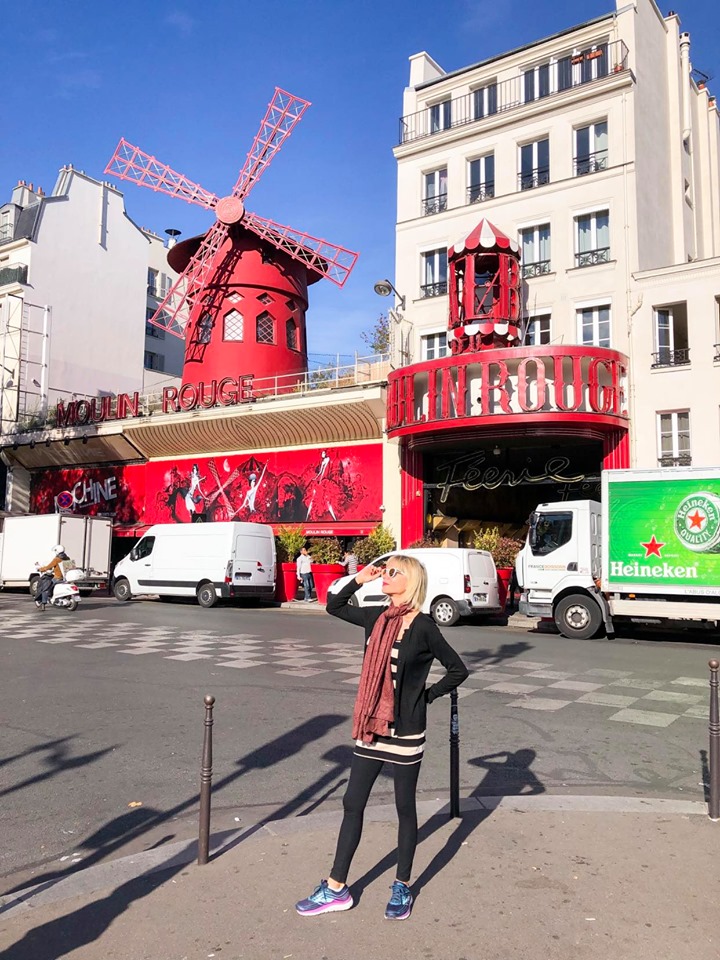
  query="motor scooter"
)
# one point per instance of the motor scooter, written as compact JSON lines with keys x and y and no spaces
{"x":64,"y":594}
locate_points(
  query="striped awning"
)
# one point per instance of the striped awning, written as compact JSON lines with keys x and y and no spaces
{"x":485,"y":237}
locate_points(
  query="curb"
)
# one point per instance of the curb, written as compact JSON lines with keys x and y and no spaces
{"x":115,"y":872}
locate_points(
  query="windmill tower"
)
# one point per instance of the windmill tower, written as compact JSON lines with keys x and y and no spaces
{"x":241,"y":297}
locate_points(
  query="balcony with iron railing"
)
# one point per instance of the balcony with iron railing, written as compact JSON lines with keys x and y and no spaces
{"x":665,"y":357}
{"x":478,"y":192}
{"x":433,"y":289}
{"x":591,"y":66}
{"x":536,"y":269}
{"x":590,"y":258}
{"x":431,"y":205}
{"x":717,"y":352}
{"x":590,"y":163}
{"x":13,"y":273}
{"x":530,"y":179}
{"x":684,"y":460}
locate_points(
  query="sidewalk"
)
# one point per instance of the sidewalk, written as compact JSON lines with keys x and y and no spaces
{"x":550,"y":877}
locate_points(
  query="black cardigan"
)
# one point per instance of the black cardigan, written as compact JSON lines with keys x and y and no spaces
{"x":421,"y":644}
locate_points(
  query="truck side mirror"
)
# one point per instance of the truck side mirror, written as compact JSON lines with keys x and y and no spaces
{"x":532,"y":531}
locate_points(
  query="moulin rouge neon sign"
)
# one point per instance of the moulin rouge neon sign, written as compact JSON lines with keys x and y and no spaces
{"x":227,"y":392}
{"x":503,"y":383}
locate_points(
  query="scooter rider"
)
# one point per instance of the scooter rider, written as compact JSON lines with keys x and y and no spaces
{"x":52,"y":574}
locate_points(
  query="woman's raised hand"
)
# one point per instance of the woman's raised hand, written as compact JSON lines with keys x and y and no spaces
{"x":371,"y":572}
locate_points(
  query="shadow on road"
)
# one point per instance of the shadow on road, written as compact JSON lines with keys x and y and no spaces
{"x":58,"y":761}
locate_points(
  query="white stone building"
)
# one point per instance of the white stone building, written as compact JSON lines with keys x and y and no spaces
{"x":77,"y":281}
{"x":598,"y":150}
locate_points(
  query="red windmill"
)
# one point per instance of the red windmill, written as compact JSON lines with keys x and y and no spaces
{"x":241,"y":298}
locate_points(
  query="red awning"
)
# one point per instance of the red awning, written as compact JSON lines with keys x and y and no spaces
{"x":484,"y":237}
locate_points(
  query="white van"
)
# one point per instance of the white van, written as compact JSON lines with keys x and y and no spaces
{"x":460,"y":583}
{"x":203,"y":560}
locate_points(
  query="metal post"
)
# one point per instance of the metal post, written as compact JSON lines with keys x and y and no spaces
{"x":454,"y":756}
{"x":45,"y":363}
{"x":206,"y":784}
{"x":714,"y":730}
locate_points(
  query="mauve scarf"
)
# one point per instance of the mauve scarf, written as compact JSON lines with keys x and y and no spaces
{"x":375,"y":703}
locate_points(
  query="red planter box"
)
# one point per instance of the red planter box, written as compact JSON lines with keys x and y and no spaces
{"x":504,"y":576}
{"x":323,"y":575}
{"x":286,"y":582}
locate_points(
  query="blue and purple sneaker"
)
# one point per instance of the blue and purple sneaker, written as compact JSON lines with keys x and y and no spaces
{"x":401,"y":902}
{"x":325,"y":900}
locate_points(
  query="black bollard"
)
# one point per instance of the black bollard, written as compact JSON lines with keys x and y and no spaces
{"x":454,"y":756}
{"x":714,"y":730}
{"x":206,"y":784}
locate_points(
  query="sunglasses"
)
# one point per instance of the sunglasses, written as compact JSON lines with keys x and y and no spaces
{"x":392,"y":572}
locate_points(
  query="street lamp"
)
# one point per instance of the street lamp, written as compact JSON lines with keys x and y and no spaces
{"x":383,"y":288}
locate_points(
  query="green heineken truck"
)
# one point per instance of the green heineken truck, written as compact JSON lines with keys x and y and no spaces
{"x":650,"y":553}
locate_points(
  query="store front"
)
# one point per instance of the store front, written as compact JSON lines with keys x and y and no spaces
{"x":496,"y":428}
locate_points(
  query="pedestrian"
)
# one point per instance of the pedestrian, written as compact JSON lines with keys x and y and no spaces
{"x":350,"y":562}
{"x":304,"y":574}
{"x":52,"y":573}
{"x":389,"y":719}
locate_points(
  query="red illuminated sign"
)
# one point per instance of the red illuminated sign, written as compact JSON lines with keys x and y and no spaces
{"x":227,"y":392}
{"x":524,"y":382}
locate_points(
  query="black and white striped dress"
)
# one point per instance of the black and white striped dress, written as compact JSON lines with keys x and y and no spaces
{"x":393,"y":749}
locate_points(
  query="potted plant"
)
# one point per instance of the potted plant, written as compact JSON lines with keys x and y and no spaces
{"x":380,"y":541}
{"x":288,"y":542}
{"x":326,"y":554}
{"x":503,"y":551}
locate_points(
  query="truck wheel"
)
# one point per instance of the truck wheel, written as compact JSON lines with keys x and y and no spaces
{"x":578,"y":617}
{"x":35,"y":587}
{"x":206,"y":595}
{"x":445,"y":612}
{"x":121,"y":590}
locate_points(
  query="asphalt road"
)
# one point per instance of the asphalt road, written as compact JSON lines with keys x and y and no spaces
{"x":102,"y":721}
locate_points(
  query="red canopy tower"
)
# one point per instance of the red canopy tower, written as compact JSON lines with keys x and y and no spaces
{"x":241,"y":297}
{"x":484,"y":290}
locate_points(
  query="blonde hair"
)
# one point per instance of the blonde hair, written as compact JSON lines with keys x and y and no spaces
{"x":416,"y":577}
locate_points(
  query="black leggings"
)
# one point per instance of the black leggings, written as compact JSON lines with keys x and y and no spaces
{"x":363,"y":774}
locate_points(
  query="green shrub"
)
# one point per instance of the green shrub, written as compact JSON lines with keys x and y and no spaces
{"x":325,"y":550}
{"x":288,"y":543}
{"x":379,"y":542}
{"x":424,"y":543}
{"x":503,"y":549}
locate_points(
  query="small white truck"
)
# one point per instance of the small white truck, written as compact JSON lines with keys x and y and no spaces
{"x":649,"y":554}
{"x":27,"y":540}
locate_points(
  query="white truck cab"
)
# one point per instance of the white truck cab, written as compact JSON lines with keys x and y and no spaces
{"x":560,"y":567}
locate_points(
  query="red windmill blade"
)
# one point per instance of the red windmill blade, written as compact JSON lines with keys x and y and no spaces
{"x":323,"y":258}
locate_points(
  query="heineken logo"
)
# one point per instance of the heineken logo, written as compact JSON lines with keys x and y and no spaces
{"x":697,"y":522}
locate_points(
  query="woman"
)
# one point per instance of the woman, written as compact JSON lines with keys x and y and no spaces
{"x":388,"y":721}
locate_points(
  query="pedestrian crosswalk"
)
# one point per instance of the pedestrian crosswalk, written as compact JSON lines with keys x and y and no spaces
{"x":522,"y":684}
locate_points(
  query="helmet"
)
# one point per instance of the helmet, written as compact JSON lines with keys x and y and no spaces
{"x":58,"y":549}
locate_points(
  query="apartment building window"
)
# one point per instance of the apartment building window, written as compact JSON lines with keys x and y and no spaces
{"x":157,"y":333}
{"x":481,"y":176}
{"x":441,"y":116}
{"x":673,"y":438}
{"x":592,"y":238}
{"x":537,"y":330}
{"x":534,"y":164}
{"x":265,"y":328}
{"x":154,"y":361}
{"x":165,"y":285}
{"x":590,"y":63}
{"x":434,"y":346}
{"x":6,"y":226}
{"x":434,"y":191}
{"x":594,"y":326}
{"x":485,"y":101}
{"x":233,"y":326}
{"x":536,"y":83}
{"x":591,"y":148}
{"x":152,"y":282}
{"x":434,"y":272}
{"x":535,"y":247}
{"x":672,"y":348}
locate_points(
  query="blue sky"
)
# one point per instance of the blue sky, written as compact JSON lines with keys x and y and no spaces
{"x":189,"y":82}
